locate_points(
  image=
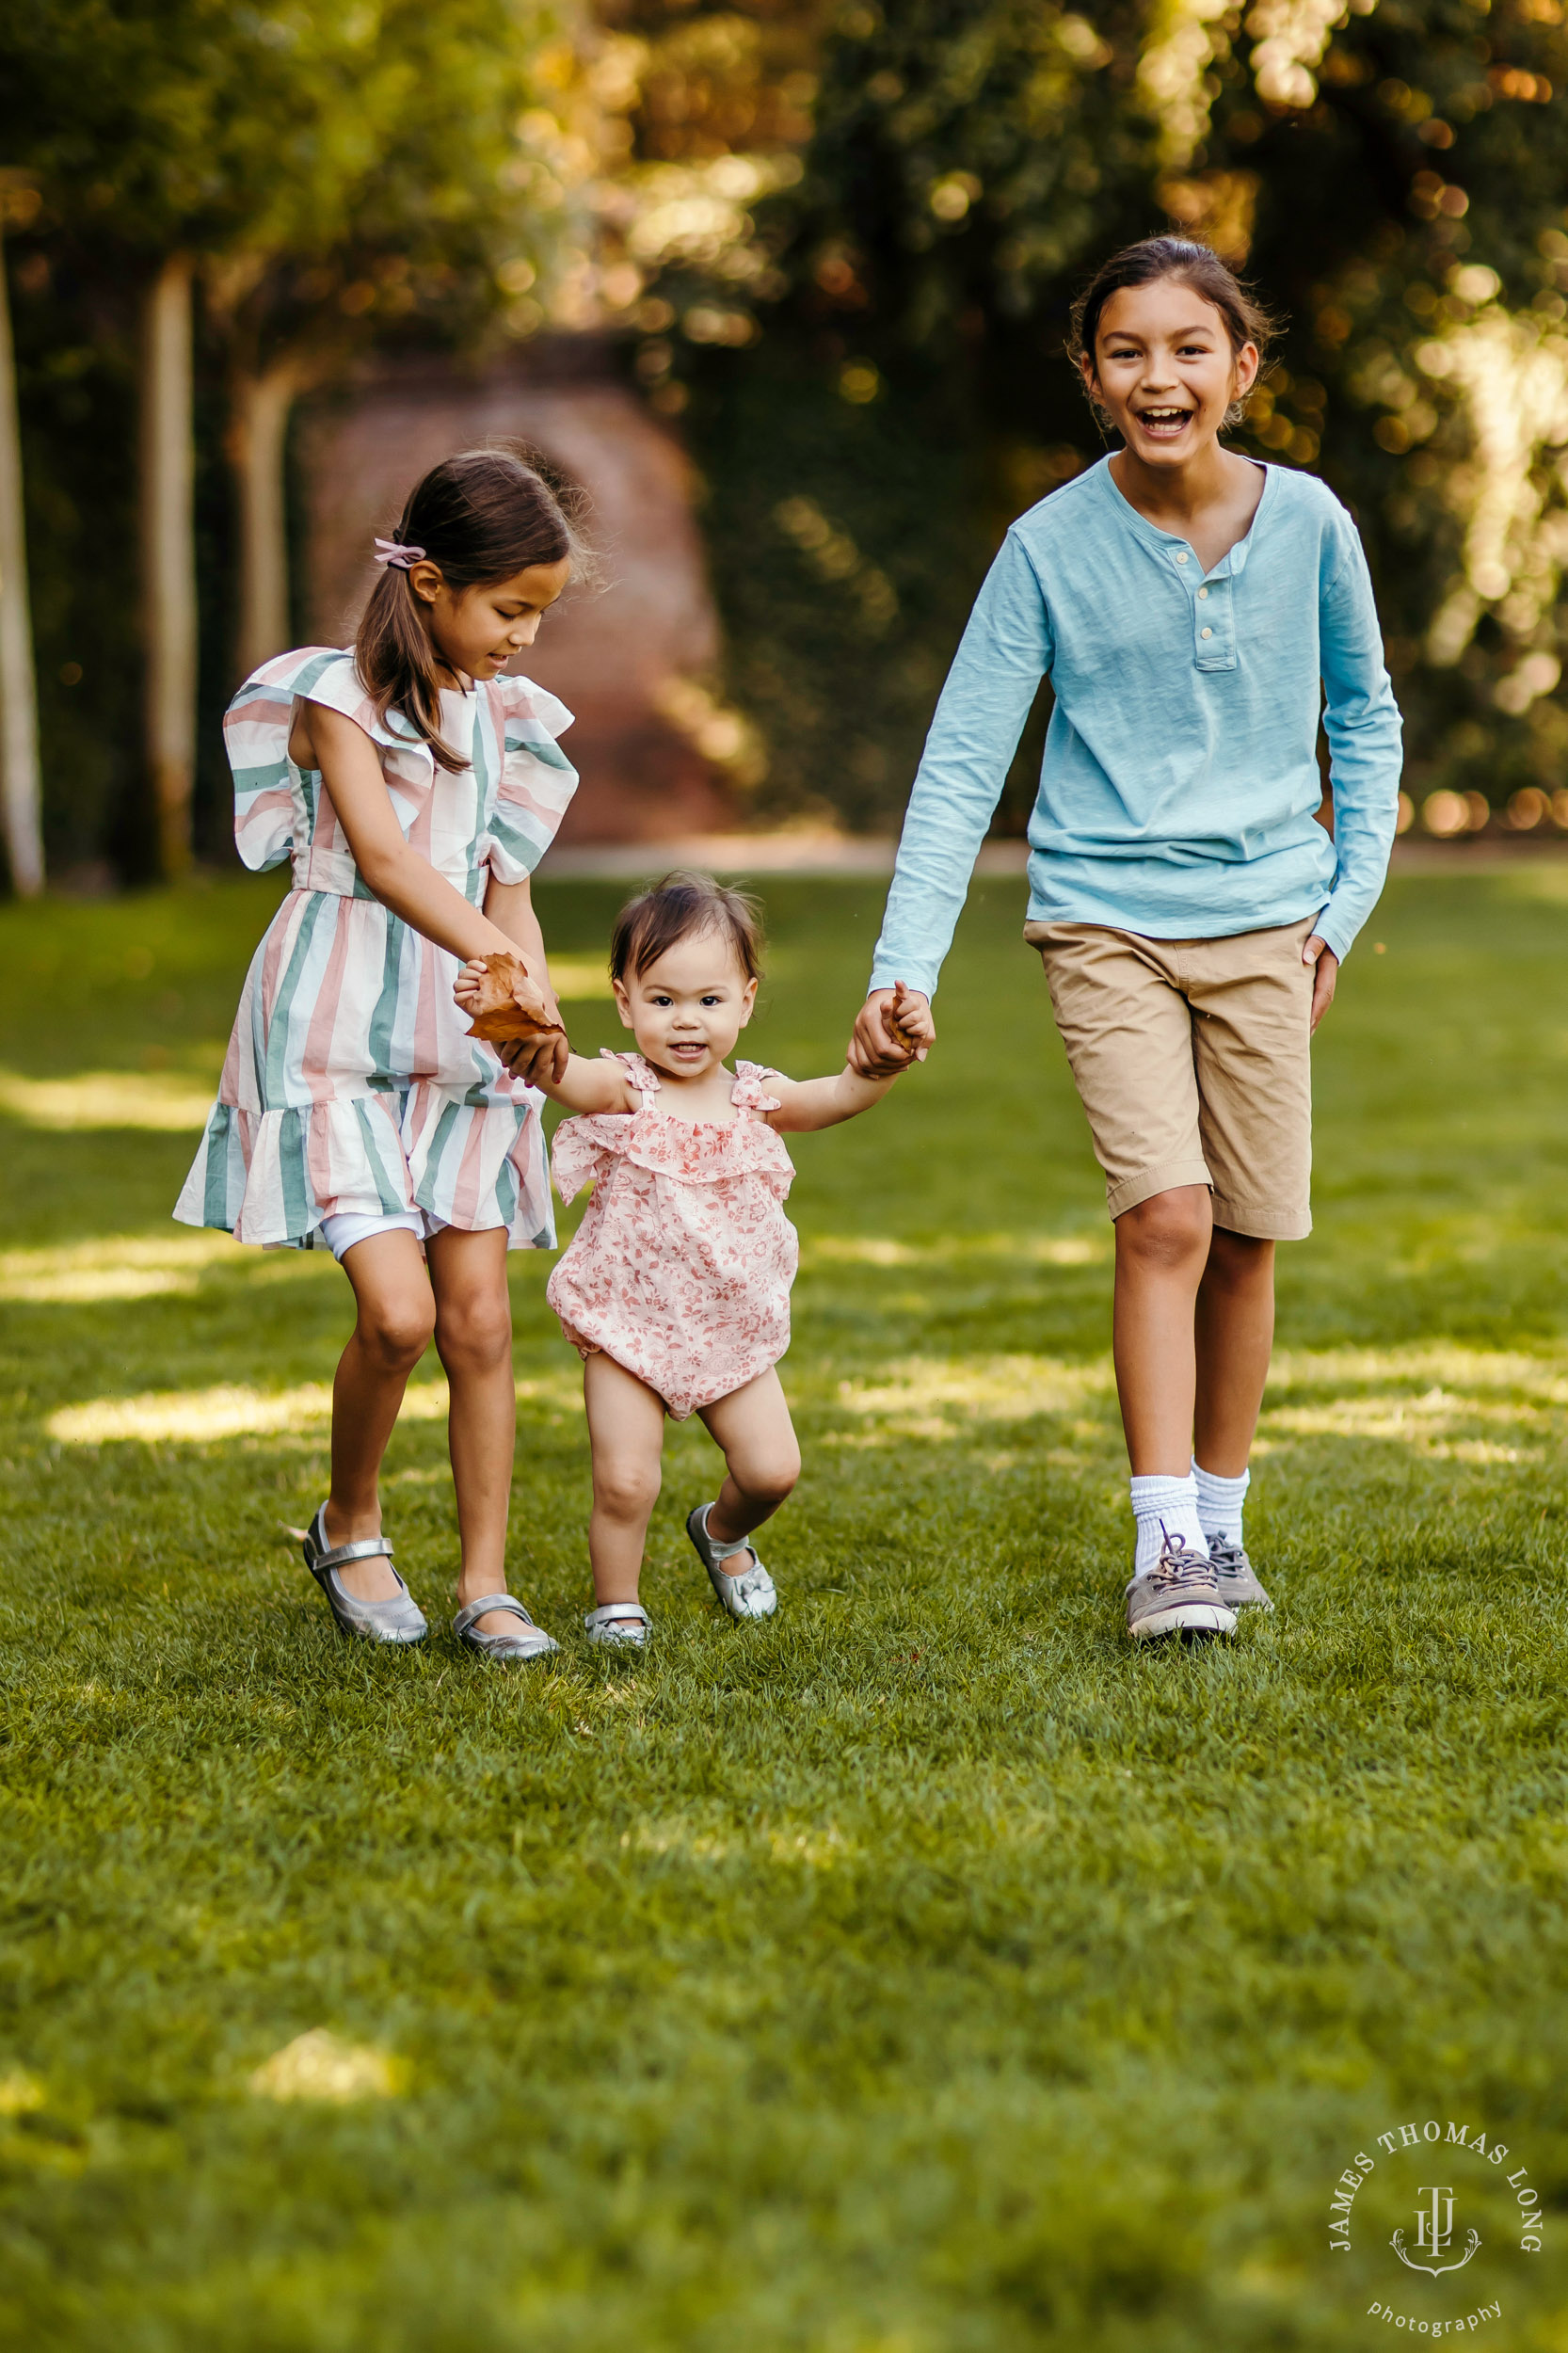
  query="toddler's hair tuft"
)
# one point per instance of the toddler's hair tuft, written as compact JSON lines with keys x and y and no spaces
{"x":683,"y":906}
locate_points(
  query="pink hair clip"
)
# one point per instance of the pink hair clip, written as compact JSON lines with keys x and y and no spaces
{"x":388,"y":552}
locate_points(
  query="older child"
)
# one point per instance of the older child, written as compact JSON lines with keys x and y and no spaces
{"x":676,"y":1290}
{"x":1193,"y":611}
{"x":414,"y":787}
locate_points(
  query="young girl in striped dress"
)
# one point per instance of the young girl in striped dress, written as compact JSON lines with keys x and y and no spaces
{"x":414,"y":788}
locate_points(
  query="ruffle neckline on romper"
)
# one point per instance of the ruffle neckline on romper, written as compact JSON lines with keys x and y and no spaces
{"x":693,"y":1151}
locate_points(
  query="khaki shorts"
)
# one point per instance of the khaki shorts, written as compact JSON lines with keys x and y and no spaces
{"x":1192,"y":1059}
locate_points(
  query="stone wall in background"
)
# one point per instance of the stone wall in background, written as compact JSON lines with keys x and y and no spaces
{"x":617,"y":656}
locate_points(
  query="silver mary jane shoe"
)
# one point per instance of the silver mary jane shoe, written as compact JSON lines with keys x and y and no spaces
{"x":752,"y":1593}
{"x":618,"y":1626}
{"x":524,"y":1641}
{"x":398,"y":1621}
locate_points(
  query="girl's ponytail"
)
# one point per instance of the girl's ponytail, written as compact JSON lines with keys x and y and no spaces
{"x":481,"y":517}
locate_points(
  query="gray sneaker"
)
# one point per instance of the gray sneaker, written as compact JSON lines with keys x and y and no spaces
{"x":1236,"y":1577}
{"x":1178,"y":1595}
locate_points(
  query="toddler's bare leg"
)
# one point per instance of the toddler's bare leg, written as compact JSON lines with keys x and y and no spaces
{"x":626,"y":1433}
{"x":392,"y":1331}
{"x":752,"y":1427}
{"x":1235,"y":1333}
{"x":473,"y":1339}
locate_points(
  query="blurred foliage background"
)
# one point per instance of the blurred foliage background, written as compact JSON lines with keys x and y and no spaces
{"x":835,"y":246}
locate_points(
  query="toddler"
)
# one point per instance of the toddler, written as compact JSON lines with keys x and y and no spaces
{"x":676,"y":1290}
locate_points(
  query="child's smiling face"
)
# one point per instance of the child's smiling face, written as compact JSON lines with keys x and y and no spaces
{"x":477,"y":631}
{"x":687,"y":1010}
{"x":1164,"y":369}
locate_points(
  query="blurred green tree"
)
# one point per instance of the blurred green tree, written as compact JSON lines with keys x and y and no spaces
{"x":325,"y":172}
{"x":1392,"y":173}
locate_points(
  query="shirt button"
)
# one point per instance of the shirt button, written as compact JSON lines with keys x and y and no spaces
{"x":1181,"y":559}
{"x":1202,"y":594}
{"x":1205,"y":632}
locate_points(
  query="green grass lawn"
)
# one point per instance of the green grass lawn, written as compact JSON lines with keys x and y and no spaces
{"x":920,"y":1973}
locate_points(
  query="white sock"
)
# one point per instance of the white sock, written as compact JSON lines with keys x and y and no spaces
{"x":1219,"y":1502}
{"x":1165,"y":1509}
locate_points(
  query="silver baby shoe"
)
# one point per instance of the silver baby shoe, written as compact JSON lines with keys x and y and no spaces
{"x":398,"y":1621}
{"x":752,"y":1593}
{"x":620,"y":1624}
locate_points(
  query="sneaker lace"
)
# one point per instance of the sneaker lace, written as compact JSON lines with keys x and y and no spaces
{"x":1224,"y":1554}
{"x":1178,"y":1565}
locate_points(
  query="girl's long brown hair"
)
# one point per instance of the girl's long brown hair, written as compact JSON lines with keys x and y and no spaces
{"x":482,"y":516}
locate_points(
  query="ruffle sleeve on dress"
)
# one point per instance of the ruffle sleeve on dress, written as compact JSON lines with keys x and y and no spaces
{"x":537,"y":780}
{"x":585,"y":1146}
{"x":583,"y":1149}
{"x":746,"y":1094}
{"x":271,"y":817}
{"x":339,"y":685}
{"x":256,"y":737}
{"x":634,"y":1069}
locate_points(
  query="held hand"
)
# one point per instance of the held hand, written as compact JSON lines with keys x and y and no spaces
{"x":539,"y":1060}
{"x":1319,"y":953}
{"x":470,"y":981}
{"x":892,"y":1028}
{"x":531,"y":1059}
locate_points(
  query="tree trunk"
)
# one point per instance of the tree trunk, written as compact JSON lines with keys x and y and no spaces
{"x":168,"y":557}
{"x":258,"y":432}
{"x":19,"y":761}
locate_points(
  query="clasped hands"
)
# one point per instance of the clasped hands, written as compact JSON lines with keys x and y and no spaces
{"x":892,"y":1030}
{"x":539,"y":1060}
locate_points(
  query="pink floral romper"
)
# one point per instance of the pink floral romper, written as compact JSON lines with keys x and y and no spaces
{"x":681,"y":1267}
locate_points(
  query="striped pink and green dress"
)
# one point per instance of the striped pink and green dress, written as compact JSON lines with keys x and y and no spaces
{"x":350,"y":1087}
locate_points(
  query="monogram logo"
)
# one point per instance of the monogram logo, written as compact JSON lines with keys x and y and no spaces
{"x":1380,"y":2186}
{"x":1434,"y":2233}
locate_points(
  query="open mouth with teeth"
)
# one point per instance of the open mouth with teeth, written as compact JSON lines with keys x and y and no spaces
{"x":1163,"y":422}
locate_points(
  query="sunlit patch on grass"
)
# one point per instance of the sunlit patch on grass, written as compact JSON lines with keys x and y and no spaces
{"x":107,"y":1098}
{"x":1543,"y":1377}
{"x":230,"y":1410}
{"x":1374,"y":1393}
{"x":1023,"y":1248}
{"x":1439,"y":1400}
{"x":673,"y":1838}
{"x":200,"y":1415}
{"x":117,"y":1267}
{"x":817,"y":1850}
{"x":321,"y":2066}
{"x":20,"y":2094}
{"x":937,"y":1397}
{"x":1418,"y":1421}
{"x":818,"y":1847}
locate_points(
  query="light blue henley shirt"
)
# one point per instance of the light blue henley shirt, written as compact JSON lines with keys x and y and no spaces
{"x":1179,"y":786}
